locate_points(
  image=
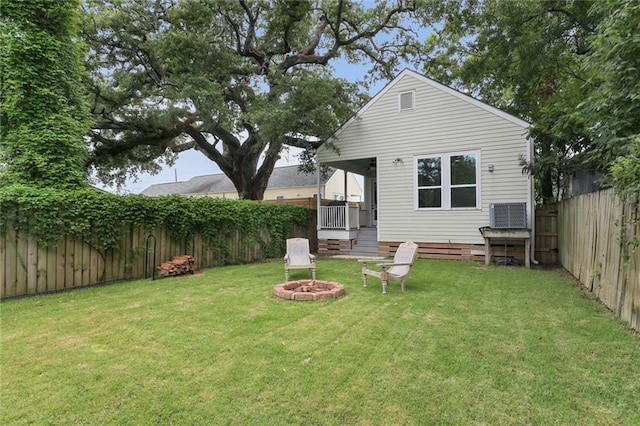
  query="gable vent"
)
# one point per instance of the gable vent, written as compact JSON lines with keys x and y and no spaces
{"x":406,"y":101}
{"x":508,"y":215}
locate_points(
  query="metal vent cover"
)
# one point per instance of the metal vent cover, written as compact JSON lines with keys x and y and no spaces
{"x":406,"y":101}
{"x":508,"y":215}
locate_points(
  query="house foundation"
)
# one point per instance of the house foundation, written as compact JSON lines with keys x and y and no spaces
{"x":330,"y":247}
{"x":449,"y":251}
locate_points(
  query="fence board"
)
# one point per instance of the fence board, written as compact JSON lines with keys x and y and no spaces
{"x":51,"y":253}
{"x":41,"y":271}
{"x":629,"y":303}
{"x":69,"y":262}
{"x":591,"y":248}
{"x":8,"y":287}
{"x":86,"y":263}
{"x":77,"y":263}
{"x":21,"y":266}
{"x":92,"y":264}
{"x":109,"y":264}
{"x":128,"y":253}
{"x":3,"y":262}
{"x":136,"y":253}
{"x":120,"y":254}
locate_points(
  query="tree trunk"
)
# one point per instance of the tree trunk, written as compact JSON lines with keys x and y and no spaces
{"x":250,"y":183}
{"x":546,"y":187}
{"x":545,"y":175}
{"x":253,"y":188}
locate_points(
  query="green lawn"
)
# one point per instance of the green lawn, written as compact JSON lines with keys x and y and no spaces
{"x":466,"y":344}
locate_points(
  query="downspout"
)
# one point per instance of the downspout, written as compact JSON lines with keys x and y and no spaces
{"x":532,"y":206}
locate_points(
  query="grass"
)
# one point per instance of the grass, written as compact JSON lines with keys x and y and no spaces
{"x":465,"y":344}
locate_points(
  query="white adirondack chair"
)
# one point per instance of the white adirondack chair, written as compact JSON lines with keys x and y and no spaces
{"x":298,"y":257}
{"x":397,"y":270}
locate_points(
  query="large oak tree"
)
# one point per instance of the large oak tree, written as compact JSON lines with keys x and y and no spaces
{"x":238,"y":81}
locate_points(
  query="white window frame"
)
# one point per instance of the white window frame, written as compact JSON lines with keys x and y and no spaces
{"x":413,"y":100}
{"x":445,"y":184}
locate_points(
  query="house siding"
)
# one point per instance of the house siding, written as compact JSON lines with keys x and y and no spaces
{"x":440,"y":123}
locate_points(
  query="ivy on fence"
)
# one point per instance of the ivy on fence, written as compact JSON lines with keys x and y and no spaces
{"x":96,"y":217}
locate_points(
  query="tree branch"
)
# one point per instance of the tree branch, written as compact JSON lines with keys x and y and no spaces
{"x":114,"y":147}
{"x":251,"y":31}
{"x":376,"y":29}
{"x":308,"y":56}
{"x":300,"y":142}
{"x":573,"y":17}
{"x":229,"y":140}
{"x":247,"y":48}
{"x":298,"y":59}
{"x":205,"y":147}
{"x":315,"y":41}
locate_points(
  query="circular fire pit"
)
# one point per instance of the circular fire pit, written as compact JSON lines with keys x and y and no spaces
{"x":308,"y":290}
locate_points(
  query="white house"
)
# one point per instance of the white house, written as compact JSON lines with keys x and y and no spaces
{"x":434,"y":161}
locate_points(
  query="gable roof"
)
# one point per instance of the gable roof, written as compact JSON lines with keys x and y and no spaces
{"x":282,"y":177}
{"x":439,"y":86}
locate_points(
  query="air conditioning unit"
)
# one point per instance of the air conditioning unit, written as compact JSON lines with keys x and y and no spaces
{"x":508,"y":215}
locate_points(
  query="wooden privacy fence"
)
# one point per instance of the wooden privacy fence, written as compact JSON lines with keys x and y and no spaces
{"x":592,"y":246}
{"x":29,"y":267}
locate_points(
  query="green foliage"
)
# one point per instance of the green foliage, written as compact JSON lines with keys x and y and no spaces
{"x":43,"y":113}
{"x":238,"y":81}
{"x":613,"y":105}
{"x":625,"y":172}
{"x":569,"y":67}
{"x":523,"y":57}
{"x":98,"y":217}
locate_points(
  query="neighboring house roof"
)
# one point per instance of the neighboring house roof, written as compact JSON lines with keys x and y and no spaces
{"x":282,"y":177}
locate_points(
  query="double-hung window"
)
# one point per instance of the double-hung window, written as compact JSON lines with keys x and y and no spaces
{"x":447,"y":181}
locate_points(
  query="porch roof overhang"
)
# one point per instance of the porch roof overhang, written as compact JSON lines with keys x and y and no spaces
{"x":358,"y":166}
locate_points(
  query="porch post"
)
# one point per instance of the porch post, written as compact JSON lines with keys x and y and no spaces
{"x":318,"y":203}
{"x":347,"y":225}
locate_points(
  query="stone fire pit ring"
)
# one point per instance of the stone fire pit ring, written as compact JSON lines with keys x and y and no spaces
{"x":308,"y":290}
